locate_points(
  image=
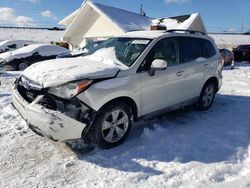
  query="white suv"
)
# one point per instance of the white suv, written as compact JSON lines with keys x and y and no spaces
{"x":131,"y":77}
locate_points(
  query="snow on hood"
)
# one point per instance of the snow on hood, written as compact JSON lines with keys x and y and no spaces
{"x":60,"y":71}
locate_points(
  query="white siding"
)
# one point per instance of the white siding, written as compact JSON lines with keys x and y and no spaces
{"x":90,"y":24}
{"x":102,"y":28}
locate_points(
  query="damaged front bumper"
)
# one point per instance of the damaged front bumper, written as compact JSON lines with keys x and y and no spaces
{"x":46,"y":122}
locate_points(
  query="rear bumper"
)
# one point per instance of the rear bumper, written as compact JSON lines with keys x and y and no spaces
{"x":51,"y":124}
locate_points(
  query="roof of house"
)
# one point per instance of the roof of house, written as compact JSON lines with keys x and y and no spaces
{"x":188,"y":22}
{"x":67,"y":20}
{"x":126,"y":20}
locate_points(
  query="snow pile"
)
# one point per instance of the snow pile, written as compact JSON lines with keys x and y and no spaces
{"x":106,"y":55}
{"x":181,"y":149}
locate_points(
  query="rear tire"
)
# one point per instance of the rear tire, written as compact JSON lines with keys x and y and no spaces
{"x":112,"y":125}
{"x":207,"y":96}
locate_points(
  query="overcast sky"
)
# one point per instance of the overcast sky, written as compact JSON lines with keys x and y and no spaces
{"x":218,"y":15}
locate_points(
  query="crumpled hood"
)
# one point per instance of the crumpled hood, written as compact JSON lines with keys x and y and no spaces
{"x":60,"y":71}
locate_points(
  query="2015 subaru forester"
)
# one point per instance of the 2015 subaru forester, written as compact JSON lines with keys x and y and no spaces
{"x":128,"y":78}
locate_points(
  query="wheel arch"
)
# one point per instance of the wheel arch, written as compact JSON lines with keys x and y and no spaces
{"x":126,"y":100}
{"x":213,"y":80}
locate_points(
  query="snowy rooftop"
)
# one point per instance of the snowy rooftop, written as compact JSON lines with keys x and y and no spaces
{"x":125,"y":19}
{"x":129,"y":21}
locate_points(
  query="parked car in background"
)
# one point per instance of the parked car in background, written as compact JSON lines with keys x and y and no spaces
{"x":88,"y":49}
{"x":227,"y":55}
{"x":24,"y":57}
{"x":135,"y":76}
{"x":11,"y":45}
{"x":1,"y":72}
{"x":242,"y":53}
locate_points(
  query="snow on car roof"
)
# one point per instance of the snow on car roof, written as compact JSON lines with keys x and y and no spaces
{"x":56,"y":50}
{"x":31,"y":48}
{"x":144,"y":34}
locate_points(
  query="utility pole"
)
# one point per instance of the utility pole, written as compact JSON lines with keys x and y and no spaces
{"x":141,"y":11}
{"x":242,"y":27}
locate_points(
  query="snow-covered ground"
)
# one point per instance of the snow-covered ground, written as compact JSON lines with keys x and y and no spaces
{"x":42,"y":36}
{"x":181,"y":149}
{"x":230,"y":41}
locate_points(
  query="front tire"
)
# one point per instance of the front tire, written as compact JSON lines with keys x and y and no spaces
{"x":207,"y":96}
{"x":112,"y":125}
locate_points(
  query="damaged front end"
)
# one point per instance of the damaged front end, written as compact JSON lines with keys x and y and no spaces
{"x":49,"y":115}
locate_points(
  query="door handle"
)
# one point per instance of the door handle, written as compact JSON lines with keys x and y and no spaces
{"x":180,"y":73}
{"x":205,"y":66}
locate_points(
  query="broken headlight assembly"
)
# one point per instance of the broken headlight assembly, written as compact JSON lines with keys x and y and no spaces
{"x":70,"y":90}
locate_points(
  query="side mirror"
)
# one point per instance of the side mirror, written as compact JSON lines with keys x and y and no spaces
{"x":158,"y":64}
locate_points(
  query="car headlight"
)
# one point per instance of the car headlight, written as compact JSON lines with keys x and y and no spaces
{"x":70,"y":90}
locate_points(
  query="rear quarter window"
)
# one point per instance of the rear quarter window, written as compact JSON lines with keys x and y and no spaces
{"x":194,"y":48}
{"x":209,"y":50}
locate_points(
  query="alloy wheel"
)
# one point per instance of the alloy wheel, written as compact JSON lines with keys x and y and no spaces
{"x":115,"y":126}
{"x":208,"y":96}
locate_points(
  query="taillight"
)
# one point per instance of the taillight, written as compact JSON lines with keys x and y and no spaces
{"x":222,"y":61}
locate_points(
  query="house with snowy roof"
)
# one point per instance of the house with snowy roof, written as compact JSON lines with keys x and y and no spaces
{"x":94,"y":21}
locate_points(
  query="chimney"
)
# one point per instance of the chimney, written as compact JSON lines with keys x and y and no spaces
{"x":158,"y":27}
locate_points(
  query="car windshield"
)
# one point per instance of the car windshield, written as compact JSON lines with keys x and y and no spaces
{"x":120,"y":50}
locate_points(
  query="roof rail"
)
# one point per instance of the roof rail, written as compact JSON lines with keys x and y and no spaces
{"x":186,"y":31}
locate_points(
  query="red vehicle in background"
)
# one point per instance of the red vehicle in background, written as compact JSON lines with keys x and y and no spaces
{"x":242,"y":53}
{"x":227,"y":55}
